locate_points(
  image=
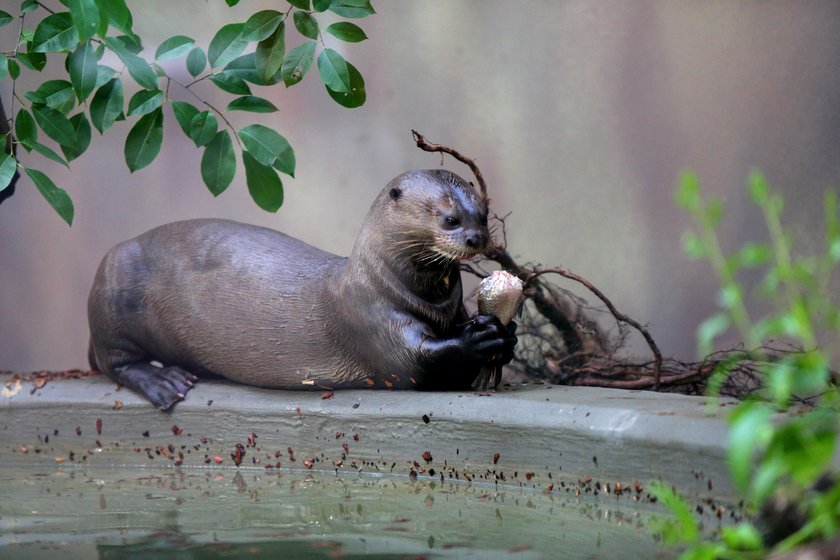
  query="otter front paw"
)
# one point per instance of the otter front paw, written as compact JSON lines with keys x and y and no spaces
{"x":486,"y":341}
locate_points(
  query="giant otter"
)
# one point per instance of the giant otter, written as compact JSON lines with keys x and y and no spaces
{"x":262,"y":308}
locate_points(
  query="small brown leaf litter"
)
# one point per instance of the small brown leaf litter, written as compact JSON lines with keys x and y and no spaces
{"x":238,"y":454}
{"x":41,"y":378}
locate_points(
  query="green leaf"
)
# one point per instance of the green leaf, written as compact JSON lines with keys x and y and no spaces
{"x":758,"y":187}
{"x":102,"y":28}
{"x":85,"y":14}
{"x":263,"y":183}
{"x":8,"y":166}
{"x":143,"y":141}
{"x":268,"y":58}
{"x":25,"y":129}
{"x":352,"y":8}
{"x":321,"y":5}
{"x":174,"y":47}
{"x":245,"y":67}
{"x":356,"y":96}
{"x":196,"y":61}
{"x":268,"y":147}
{"x":131,"y":43}
{"x":218,"y":163}
{"x":693,"y":246}
{"x":118,"y":15}
{"x":184,"y":114}
{"x":28,"y":6}
{"x":203,"y":128}
{"x":306,"y":25}
{"x":251,"y":103}
{"x":685,"y":525}
{"x":104,"y":75}
{"x":334,"y":72}
{"x":743,"y":536}
{"x":231,"y":83}
{"x":107,"y":105}
{"x":144,"y":101}
{"x":56,"y":94}
{"x":4,"y":66}
{"x":82,"y":65}
{"x":709,"y":330}
{"x":48,"y":153}
{"x":57,"y":197}
{"x":753,"y":255}
{"x":765,"y":478}
{"x":5,"y":18}
{"x":687,"y":195}
{"x":261,"y":25}
{"x":730,"y":295}
{"x":750,"y":430}
{"x":82,"y":128}
{"x":226,"y":45}
{"x":231,"y":3}
{"x":14,"y":69}
{"x":347,"y":31}
{"x":54,"y":124}
{"x":137,"y":67}
{"x":300,"y":4}
{"x":32,"y":60}
{"x":55,"y":33}
{"x":805,"y":446}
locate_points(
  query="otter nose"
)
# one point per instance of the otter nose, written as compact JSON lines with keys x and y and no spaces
{"x":476,"y":241}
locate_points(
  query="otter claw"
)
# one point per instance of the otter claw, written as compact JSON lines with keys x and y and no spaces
{"x":163,"y":387}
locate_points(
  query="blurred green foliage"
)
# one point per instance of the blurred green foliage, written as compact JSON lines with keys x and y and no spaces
{"x":781,"y":441}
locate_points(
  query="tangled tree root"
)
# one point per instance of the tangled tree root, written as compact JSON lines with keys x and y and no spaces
{"x":560,"y":340}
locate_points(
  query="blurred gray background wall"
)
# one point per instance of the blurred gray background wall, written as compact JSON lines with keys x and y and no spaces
{"x":580,"y":113}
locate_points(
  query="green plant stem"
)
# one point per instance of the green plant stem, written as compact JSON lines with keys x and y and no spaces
{"x":737,"y":309}
{"x":215,"y":110}
{"x":47,"y":8}
{"x":796,"y":301}
{"x":14,"y":82}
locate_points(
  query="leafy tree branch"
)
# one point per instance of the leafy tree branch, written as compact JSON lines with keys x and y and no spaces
{"x":92,"y":95}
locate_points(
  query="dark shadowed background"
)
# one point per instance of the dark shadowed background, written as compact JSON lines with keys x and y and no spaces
{"x":581,"y":115}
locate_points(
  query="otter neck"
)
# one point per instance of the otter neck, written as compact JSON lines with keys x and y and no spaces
{"x":427,"y":287}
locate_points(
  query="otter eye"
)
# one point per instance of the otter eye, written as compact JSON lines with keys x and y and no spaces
{"x":452,"y":221}
{"x":395,"y":193}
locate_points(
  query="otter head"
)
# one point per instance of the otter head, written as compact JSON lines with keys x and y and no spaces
{"x":432,"y":218}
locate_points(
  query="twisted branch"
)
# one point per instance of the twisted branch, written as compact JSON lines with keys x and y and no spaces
{"x":427,"y":146}
{"x":621,"y":317}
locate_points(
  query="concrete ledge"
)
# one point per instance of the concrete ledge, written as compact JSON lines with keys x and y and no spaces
{"x":525,"y":435}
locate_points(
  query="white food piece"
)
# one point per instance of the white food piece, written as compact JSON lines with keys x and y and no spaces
{"x":500,"y":294}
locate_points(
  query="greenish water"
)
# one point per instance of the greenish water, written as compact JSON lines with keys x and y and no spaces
{"x":49,"y":512}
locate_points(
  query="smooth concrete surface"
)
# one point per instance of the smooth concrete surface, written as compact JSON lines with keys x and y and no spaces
{"x":545,"y":437}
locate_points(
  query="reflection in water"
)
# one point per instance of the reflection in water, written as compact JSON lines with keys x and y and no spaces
{"x":141,"y":513}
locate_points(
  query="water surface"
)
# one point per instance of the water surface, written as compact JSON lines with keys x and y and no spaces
{"x":69,"y":513}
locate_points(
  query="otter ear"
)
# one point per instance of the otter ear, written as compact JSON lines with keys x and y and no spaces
{"x":395,"y":193}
